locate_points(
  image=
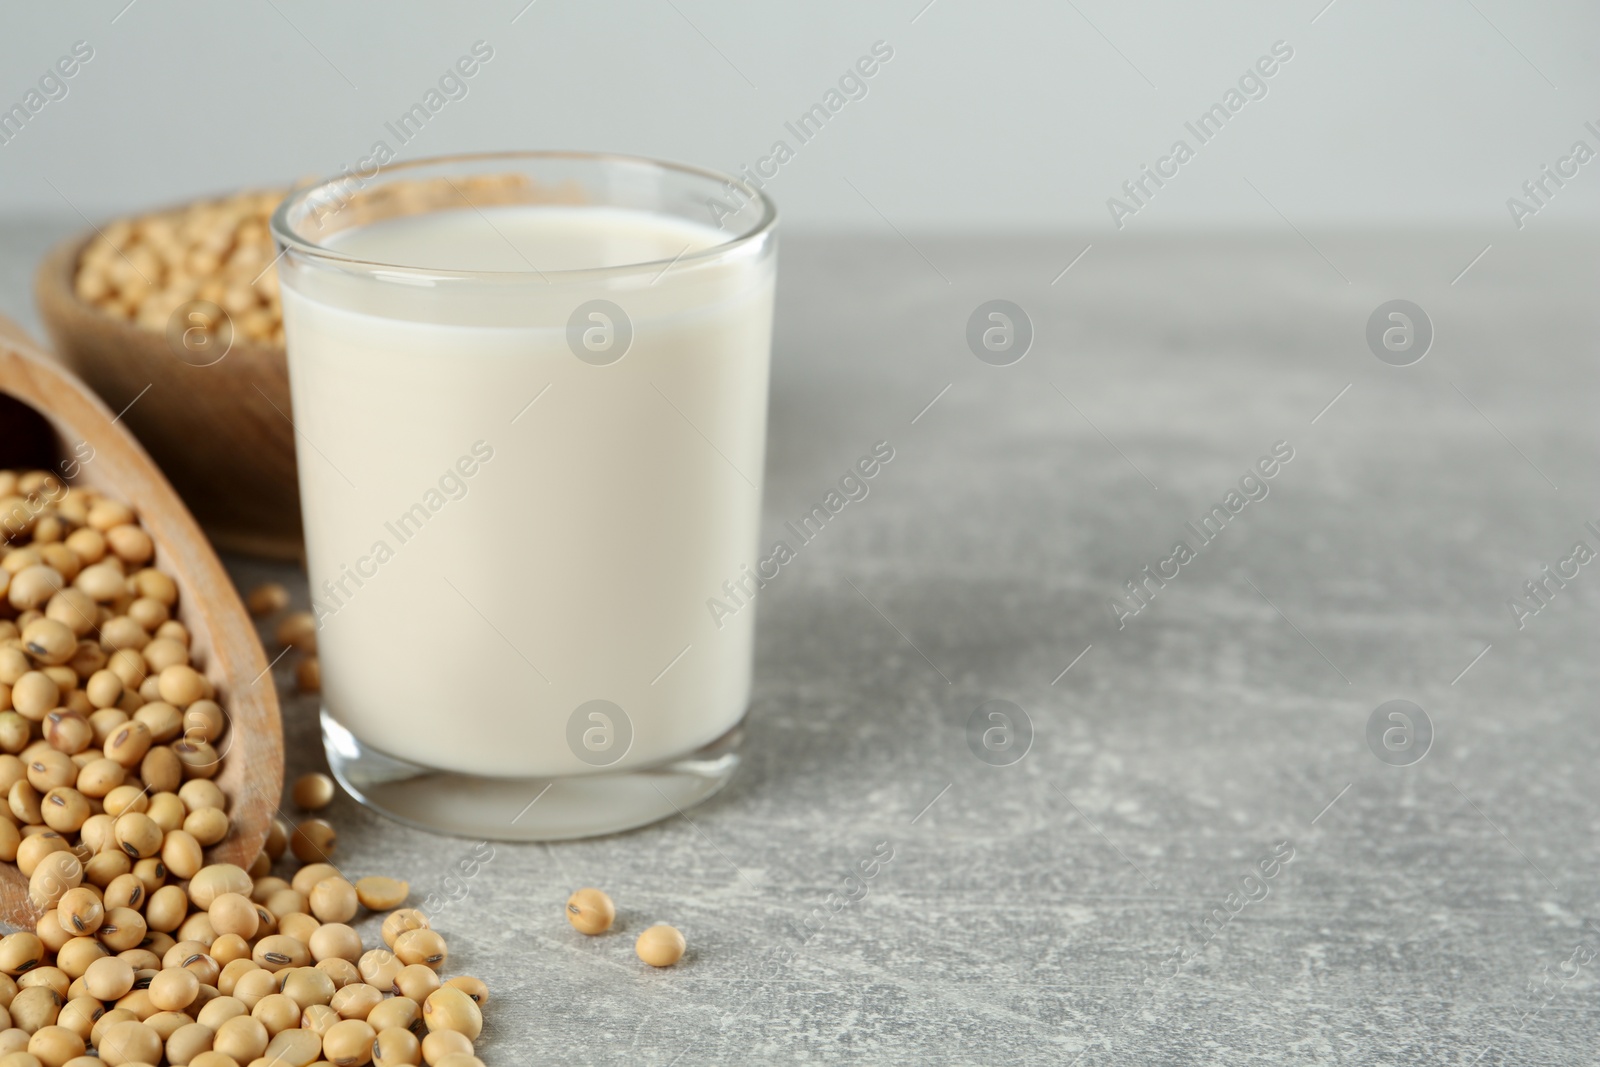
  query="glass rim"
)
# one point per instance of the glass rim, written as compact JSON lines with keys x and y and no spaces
{"x":283,"y":233}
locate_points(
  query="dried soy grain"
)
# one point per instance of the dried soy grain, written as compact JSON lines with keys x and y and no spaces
{"x":269,"y":598}
{"x":660,"y":946}
{"x":590,"y":911}
{"x":312,"y":792}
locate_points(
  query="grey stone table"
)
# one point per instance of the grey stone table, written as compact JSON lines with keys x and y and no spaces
{"x":1200,"y":859}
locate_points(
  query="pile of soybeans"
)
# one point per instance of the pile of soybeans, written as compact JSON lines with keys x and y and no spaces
{"x":143,"y":953}
{"x":221,"y":251}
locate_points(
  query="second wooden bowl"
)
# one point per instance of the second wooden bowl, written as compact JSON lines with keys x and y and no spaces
{"x":221,"y":432}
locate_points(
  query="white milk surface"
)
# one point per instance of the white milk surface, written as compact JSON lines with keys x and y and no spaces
{"x":499,"y":532}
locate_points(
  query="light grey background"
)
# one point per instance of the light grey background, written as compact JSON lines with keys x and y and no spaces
{"x":1016,"y":115}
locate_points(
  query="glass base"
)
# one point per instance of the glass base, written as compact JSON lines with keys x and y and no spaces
{"x":527,"y":809}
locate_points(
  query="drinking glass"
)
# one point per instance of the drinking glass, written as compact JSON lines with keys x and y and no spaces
{"x":530,"y":434}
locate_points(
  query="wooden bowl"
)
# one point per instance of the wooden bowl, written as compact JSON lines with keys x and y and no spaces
{"x":222,"y":433}
{"x":48,"y":420}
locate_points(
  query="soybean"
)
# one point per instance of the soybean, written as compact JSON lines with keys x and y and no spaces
{"x":312,"y":792}
{"x":660,"y":946}
{"x":590,"y":911}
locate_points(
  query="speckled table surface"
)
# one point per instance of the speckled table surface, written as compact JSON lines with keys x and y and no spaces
{"x":1201,"y":857}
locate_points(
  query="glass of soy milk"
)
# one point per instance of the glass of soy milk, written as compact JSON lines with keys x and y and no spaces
{"x":530,"y":403}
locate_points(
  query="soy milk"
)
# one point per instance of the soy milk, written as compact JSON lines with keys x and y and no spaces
{"x":504,"y":521}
